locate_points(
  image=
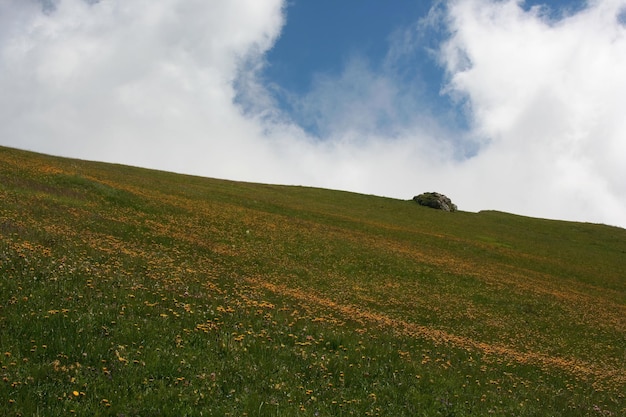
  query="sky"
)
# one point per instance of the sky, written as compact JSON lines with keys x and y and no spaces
{"x":504,"y":105}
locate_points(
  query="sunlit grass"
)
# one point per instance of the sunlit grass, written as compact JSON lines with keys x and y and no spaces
{"x":133,"y":292}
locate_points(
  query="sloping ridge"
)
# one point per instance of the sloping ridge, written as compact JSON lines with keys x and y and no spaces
{"x":546,"y":293}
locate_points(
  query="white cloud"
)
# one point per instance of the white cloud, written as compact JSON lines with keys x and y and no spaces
{"x":174,"y":85}
{"x":548,"y":94}
{"x":133,"y":81}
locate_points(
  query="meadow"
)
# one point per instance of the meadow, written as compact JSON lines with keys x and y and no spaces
{"x":132,"y":292}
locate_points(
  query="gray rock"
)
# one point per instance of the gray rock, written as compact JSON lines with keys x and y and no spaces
{"x":436,"y":201}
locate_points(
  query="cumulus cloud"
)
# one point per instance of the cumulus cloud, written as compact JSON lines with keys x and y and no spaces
{"x":132,"y":81}
{"x":547,"y":94}
{"x":176,"y":85}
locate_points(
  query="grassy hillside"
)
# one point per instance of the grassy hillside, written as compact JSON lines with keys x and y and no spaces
{"x":131,"y":292}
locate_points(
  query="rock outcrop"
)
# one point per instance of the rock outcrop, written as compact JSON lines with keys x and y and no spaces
{"x":436,"y":201}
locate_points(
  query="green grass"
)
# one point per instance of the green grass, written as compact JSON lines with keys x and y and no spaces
{"x":131,"y":292}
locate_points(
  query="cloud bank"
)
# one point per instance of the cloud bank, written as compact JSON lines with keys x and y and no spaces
{"x":547,"y":94}
{"x":134,"y":81}
{"x":177,"y":85}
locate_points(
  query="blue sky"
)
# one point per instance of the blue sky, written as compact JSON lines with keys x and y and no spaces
{"x":501,"y":104}
{"x":321,"y":38}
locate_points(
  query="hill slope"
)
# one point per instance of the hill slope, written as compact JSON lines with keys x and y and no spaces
{"x":125,"y":291}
